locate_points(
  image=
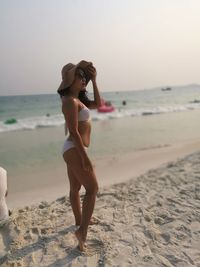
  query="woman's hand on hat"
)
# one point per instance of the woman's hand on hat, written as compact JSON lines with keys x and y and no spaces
{"x":92,"y":72}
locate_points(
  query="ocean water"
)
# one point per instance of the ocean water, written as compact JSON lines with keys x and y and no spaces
{"x":32,"y":127}
{"x":36,"y":111}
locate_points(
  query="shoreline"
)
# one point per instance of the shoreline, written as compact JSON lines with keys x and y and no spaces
{"x":53,"y":183}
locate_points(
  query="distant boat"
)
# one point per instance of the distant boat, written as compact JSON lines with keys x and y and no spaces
{"x":195,"y":101}
{"x":166,"y":89}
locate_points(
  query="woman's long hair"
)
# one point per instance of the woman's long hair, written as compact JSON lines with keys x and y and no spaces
{"x":83,"y":97}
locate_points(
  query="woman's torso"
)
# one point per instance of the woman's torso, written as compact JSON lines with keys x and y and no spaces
{"x":84,"y":128}
{"x":84,"y":124}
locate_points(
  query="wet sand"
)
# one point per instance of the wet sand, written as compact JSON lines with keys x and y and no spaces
{"x":49,"y":184}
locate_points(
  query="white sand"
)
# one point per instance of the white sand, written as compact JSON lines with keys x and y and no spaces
{"x":152,"y":220}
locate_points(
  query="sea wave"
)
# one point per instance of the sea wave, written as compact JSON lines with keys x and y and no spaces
{"x":58,"y":120}
{"x":32,"y":123}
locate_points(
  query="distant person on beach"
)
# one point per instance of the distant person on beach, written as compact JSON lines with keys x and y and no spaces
{"x":4,"y":214}
{"x":75,"y":107}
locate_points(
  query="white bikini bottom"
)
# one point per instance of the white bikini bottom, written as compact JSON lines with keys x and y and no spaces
{"x":67,"y":145}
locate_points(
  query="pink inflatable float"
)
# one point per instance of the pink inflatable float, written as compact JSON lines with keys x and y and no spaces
{"x":106,"y":107}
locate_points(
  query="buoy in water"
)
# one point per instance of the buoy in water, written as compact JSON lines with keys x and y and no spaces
{"x":10,"y":121}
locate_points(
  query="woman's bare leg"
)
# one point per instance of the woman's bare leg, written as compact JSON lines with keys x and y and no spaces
{"x":74,"y":196}
{"x":88,"y":180}
{"x":87,"y":210}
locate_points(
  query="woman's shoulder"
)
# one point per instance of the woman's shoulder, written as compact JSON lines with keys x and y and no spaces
{"x":70,"y":100}
{"x":69,"y":103}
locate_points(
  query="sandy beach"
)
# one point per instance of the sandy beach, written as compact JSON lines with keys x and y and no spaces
{"x":152,"y":219}
{"x":49,"y":184}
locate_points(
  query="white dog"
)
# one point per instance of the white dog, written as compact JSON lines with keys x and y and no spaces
{"x":4,"y":214}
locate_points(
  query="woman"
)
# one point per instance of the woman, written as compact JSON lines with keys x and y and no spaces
{"x":75,"y":107}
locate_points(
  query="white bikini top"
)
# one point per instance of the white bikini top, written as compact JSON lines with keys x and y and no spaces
{"x":83,"y":115}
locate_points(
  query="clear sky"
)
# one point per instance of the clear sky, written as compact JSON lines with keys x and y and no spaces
{"x":134,"y":44}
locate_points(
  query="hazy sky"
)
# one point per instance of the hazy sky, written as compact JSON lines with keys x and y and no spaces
{"x":134,"y":44}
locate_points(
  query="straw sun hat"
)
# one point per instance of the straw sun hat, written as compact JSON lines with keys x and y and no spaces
{"x":68,"y":73}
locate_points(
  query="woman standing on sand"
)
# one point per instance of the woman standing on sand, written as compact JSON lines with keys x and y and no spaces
{"x":75,"y":107}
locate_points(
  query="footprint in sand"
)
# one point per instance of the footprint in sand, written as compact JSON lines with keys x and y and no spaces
{"x":94,"y":246}
{"x":95,"y":252}
{"x":92,"y":256}
{"x":166,"y":237}
{"x":163,"y":219}
{"x":5,"y":238}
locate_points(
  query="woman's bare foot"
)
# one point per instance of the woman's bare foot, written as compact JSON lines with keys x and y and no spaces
{"x":81,"y":241}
